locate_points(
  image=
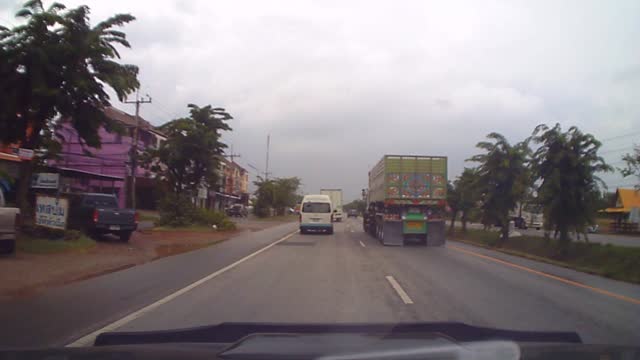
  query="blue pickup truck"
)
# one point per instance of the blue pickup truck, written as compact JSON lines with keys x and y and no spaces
{"x":98,"y":214}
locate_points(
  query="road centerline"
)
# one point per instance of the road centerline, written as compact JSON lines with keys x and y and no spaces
{"x":399,"y":290}
{"x":89,"y":339}
{"x":549,"y":276}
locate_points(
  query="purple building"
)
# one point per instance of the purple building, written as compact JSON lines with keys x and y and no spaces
{"x":112,"y":159}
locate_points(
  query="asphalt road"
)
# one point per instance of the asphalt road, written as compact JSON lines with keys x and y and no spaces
{"x":345,"y":277}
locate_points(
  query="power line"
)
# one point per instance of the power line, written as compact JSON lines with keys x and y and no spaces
{"x":617,"y":150}
{"x":621,"y":136}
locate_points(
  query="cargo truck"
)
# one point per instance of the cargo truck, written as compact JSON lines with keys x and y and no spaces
{"x":336,"y":202}
{"x":406,"y":200}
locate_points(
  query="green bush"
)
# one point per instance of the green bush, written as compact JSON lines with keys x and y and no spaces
{"x":72,"y":235}
{"x":178,"y":212}
{"x":210,"y":217}
{"x":42,"y":232}
{"x":261,"y":211}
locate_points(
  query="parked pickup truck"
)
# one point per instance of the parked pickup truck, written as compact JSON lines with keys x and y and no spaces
{"x":9,"y":223}
{"x":99,"y":214}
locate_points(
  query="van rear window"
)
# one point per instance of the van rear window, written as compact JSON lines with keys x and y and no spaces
{"x":316,"y":207}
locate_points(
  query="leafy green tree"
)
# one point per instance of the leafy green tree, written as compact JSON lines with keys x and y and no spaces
{"x":189,"y":157}
{"x":453,"y":200}
{"x":566,"y":164}
{"x":278,"y":194}
{"x":502,"y":179}
{"x":286,"y":193}
{"x":633,"y":165}
{"x":57,"y":66}
{"x":358,"y":205}
{"x":462,"y":196}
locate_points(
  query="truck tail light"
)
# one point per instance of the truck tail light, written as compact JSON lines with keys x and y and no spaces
{"x":136,"y":217}
{"x":95,"y":216}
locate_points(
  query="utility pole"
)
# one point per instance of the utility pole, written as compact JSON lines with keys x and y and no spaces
{"x":266,"y":170}
{"x":134,"y":146}
{"x":232,"y":155}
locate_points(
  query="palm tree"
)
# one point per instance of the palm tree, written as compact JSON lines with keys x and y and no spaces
{"x":57,"y":67}
{"x":633,"y":165}
{"x":566,"y":164}
{"x":467,"y":184}
{"x":501,"y":178}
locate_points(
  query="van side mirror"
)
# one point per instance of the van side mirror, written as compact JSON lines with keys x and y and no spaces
{"x":335,"y":210}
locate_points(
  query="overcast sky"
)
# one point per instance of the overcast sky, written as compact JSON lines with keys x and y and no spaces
{"x":338,"y":84}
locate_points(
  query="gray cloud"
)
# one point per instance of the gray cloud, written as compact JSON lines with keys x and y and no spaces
{"x":338,"y":85}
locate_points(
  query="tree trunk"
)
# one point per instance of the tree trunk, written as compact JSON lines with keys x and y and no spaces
{"x":26,"y":170}
{"x":464,"y":222}
{"x":520,"y":210}
{"x":505,"y":232}
{"x":453,"y":220}
{"x":564,"y":241}
{"x":24,"y":181}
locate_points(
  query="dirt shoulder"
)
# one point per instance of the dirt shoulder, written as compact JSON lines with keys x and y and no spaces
{"x":25,"y":274}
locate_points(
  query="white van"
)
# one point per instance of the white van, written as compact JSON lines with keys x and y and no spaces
{"x":316,"y":214}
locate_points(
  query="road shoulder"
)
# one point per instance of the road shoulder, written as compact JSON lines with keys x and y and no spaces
{"x":61,"y":315}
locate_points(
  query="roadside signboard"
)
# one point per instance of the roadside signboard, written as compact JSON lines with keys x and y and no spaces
{"x":51,"y":212}
{"x":23,"y":154}
{"x":45,"y":181}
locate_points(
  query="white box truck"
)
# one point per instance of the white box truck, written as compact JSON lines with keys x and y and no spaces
{"x":336,"y":201}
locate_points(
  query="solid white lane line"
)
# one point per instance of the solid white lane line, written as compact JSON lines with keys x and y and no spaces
{"x":89,"y":339}
{"x":403,"y":294}
{"x":361,"y":243}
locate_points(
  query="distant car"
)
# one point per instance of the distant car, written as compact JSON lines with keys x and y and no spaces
{"x":592,"y":229}
{"x":536,"y":223}
{"x":352,"y":213}
{"x":237,"y":210}
{"x":9,"y":223}
{"x":519,"y":222}
{"x":98,"y":214}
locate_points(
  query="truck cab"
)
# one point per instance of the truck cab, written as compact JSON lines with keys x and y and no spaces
{"x":335,"y":195}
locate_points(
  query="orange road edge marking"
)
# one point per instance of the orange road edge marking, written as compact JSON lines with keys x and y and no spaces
{"x":557,"y":278}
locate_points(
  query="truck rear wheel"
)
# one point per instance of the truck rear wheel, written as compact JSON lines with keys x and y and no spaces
{"x":125,"y":236}
{"x":7,"y":246}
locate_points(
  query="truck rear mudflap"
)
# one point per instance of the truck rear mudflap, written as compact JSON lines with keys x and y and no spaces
{"x":401,"y":232}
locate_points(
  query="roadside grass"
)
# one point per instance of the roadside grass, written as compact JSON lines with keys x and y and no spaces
{"x":148,"y":215}
{"x":192,"y":228}
{"x":34,"y":245}
{"x":615,"y":262}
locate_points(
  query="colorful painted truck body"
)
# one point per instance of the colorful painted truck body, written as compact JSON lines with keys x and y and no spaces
{"x":406,"y":200}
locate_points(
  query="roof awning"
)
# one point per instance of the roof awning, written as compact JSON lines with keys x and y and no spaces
{"x":227,"y":195}
{"x":88,"y":174}
{"x":9,"y":157}
{"x":616,"y":210}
